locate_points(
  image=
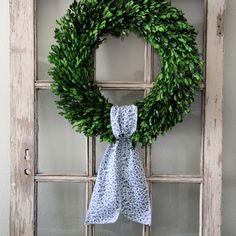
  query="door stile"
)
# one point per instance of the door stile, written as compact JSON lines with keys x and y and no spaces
{"x":212,"y":188}
{"x":148,"y":75}
{"x":22,"y":70}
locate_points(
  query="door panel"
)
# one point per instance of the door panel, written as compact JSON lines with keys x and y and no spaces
{"x":175,"y":209}
{"x":194,"y":12}
{"x":60,"y":148}
{"x":122,"y":227}
{"x":122,"y":97}
{"x":179,"y":150}
{"x":61,"y":209}
{"x":48,"y":11}
{"x":124,"y":62}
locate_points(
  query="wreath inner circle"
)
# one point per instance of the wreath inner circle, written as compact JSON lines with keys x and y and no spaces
{"x":80,"y":32}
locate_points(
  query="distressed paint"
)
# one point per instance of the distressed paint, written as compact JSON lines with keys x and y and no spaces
{"x":22,"y":70}
{"x":212,"y":186}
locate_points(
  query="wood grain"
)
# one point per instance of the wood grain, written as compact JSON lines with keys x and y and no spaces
{"x":212,"y":188}
{"x":22,"y":70}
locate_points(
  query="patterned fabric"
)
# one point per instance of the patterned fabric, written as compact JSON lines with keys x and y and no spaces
{"x":121,"y":185}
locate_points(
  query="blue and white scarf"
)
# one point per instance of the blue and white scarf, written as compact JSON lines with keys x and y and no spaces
{"x":121,"y":186}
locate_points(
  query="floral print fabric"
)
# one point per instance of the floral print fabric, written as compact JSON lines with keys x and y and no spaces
{"x":121,"y":186}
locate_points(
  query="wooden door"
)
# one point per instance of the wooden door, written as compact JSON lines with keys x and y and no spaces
{"x":53,"y":169}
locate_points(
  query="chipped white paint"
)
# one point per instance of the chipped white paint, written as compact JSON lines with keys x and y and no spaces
{"x":212,"y":187}
{"x":22,"y":69}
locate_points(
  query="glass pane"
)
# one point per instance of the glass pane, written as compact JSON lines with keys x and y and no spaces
{"x":48,"y":11}
{"x":122,"y":227}
{"x":117,"y":97}
{"x":122,"y":97}
{"x":193,"y":10}
{"x":61,"y":209}
{"x":175,"y":210}
{"x":195,"y":18}
{"x":178,"y":151}
{"x":120,"y":59}
{"x":156,"y":65}
{"x":60,"y":148}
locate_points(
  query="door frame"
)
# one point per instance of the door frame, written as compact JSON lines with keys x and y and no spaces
{"x":23,"y":72}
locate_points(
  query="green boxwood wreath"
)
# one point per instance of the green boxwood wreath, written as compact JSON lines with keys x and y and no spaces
{"x":80,"y":32}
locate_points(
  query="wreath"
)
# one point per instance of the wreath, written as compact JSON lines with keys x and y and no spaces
{"x":80,"y":32}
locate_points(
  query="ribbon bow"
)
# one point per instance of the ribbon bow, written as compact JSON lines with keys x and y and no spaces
{"x":121,"y":186}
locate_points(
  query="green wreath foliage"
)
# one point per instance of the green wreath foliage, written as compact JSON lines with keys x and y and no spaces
{"x":80,"y":32}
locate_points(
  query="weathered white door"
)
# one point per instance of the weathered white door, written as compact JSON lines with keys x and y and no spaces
{"x":54,"y":168}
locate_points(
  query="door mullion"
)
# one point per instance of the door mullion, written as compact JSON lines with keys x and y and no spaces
{"x":91,"y":156}
{"x":89,"y":229}
{"x":147,"y":166}
{"x":148,"y":74}
{"x":91,"y":162}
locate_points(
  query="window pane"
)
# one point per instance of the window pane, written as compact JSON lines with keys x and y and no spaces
{"x":60,"y":148}
{"x":122,"y":97}
{"x":48,"y":11}
{"x":195,"y":18}
{"x":61,"y":209}
{"x":122,"y":227}
{"x":117,"y":97}
{"x":175,"y":210}
{"x":120,"y":59}
{"x":178,"y":151}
